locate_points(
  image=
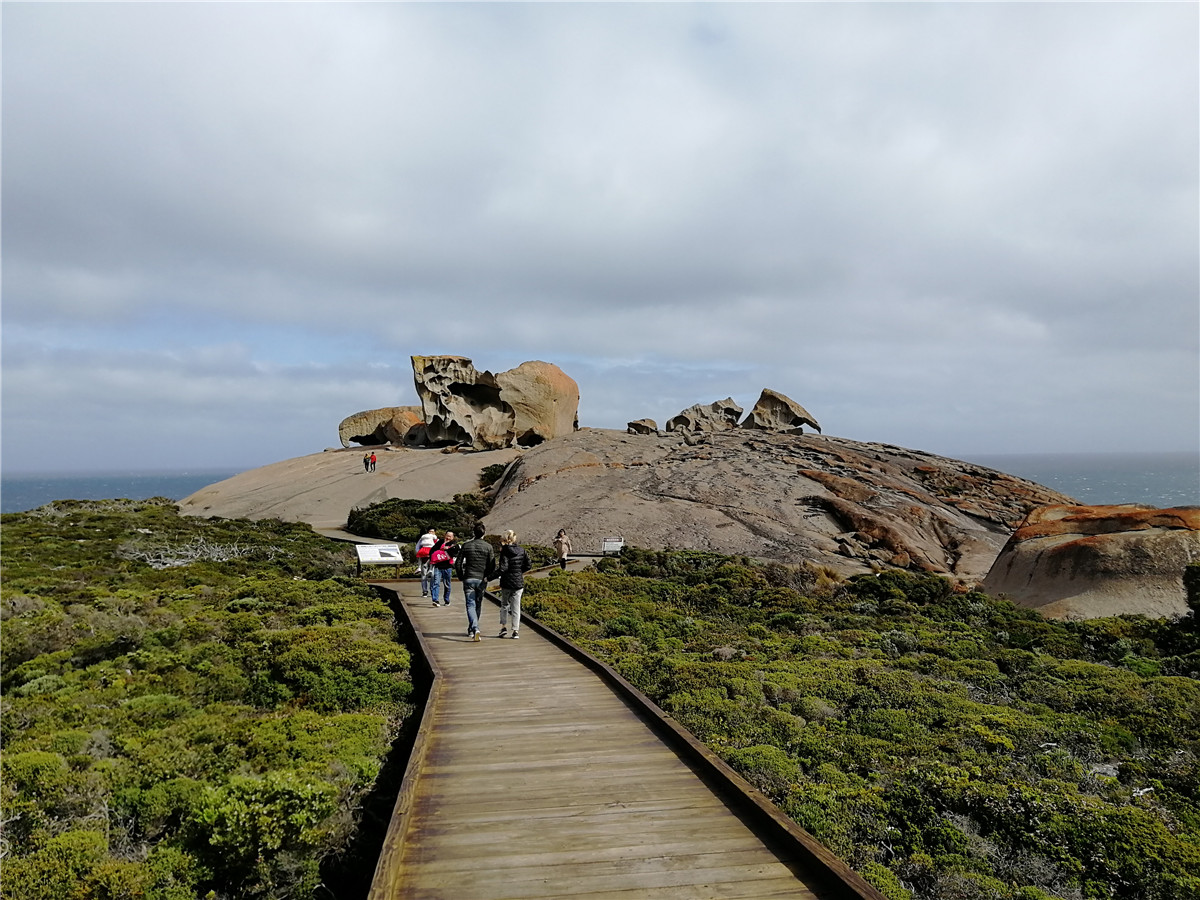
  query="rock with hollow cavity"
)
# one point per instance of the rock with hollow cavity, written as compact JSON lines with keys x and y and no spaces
{"x":390,"y":425}
{"x":718,"y":416}
{"x":522,"y":407}
{"x":1085,"y":562}
{"x":778,"y":412}
{"x":642,"y":426}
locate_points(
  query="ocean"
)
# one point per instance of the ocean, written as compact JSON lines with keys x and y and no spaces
{"x":19,"y":493}
{"x":1099,"y":479}
{"x":1156,"y":479}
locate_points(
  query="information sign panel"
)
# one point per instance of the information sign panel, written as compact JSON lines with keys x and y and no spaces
{"x":611,"y":545}
{"x":372,"y":554}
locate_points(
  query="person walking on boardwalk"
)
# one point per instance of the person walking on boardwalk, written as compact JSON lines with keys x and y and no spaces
{"x":424,"y":545}
{"x":514,"y":563}
{"x":475,"y":567}
{"x":562,"y":546}
{"x":441,"y":564}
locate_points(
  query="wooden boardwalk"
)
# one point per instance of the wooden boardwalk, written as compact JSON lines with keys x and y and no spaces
{"x":532,"y":778}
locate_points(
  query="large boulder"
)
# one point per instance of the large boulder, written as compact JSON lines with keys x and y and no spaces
{"x":778,"y":412}
{"x":390,"y":425}
{"x":839,"y":503}
{"x":720,"y":415}
{"x":1084,"y":562}
{"x":522,"y":407}
{"x":642,"y":426}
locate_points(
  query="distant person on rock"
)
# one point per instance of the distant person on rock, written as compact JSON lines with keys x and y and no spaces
{"x":514,"y":563}
{"x":562,"y":546}
{"x":441,"y":564}
{"x":372,"y":462}
{"x":424,"y":545}
{"x":475,"y":567}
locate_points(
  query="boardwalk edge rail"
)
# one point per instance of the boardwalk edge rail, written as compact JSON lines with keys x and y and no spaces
{"x":386,"y":879}
{"x":833,"y":874}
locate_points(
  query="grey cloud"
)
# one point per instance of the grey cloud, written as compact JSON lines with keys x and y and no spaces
{"x":958,"y":203}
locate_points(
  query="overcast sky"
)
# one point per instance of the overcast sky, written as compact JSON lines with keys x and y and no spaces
{"x":961,"y":228}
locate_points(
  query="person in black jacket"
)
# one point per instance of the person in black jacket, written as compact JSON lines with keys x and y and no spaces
{"x":441,"y":565}
{"x":514,"y":563}
{"x":475,"y":567}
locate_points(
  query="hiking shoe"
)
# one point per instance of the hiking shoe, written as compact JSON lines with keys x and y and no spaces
{"x":475,"y":637}
{"x":503,"y":633}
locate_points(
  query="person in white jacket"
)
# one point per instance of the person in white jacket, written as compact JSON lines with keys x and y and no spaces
{"x":424,"y":544}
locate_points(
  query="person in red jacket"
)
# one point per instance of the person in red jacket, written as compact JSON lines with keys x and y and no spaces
{"x":441,"y":566}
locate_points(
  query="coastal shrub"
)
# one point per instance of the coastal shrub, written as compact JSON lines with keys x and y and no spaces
{"x":1191,"y":586}
{"x":945,"y":743}
{"x":489,"y":475}
{"x":171,"y":730}
{"x":404,"y":520}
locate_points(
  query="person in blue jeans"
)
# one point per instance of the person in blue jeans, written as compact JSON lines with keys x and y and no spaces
{"x":475,"y":567}
{"x":424,"y":545}
{"x":441,"y":567}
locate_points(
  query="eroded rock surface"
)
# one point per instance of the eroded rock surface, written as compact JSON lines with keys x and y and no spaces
{"x":524,"y":406}
{"x":831,"y":501}
{"x":720,"y":415}
{"x":642,"y":426}
{"x":1082,"y":562}
{"x":390,"y":425}
{"x":778,"y":412}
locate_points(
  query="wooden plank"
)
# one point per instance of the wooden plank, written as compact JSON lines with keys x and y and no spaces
{"x":546,"y":883}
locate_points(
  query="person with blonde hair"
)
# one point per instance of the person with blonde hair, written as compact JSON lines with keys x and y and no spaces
{"x":514,"y":563}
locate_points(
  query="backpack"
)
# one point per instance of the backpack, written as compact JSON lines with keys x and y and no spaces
{"x":440,"y":557}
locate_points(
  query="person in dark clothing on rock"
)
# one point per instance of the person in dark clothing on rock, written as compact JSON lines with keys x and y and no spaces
{"x":514,"y":563}
{"x":475,"y":567}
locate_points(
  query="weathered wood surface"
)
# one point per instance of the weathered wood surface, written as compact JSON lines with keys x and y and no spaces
{"x":533,"y":779}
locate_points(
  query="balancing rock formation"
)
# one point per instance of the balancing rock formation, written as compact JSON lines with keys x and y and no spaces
{"x":777,"y":412}
{"x":718,"y":416}
{"x":642,"y":426}
{"x":1084,"y":562}
{"x":521,"y":407}
{"x":390,"y":425}
{"x":773,"y":412}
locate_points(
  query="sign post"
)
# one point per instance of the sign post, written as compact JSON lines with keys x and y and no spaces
{"x":611,"y":546}
{"x":379,"y":554}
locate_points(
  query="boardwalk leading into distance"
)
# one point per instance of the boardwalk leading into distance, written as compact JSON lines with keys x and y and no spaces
{"x":534,"y":779}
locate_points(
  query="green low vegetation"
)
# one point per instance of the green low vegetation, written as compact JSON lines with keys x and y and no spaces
{"x":191,"y":708}
{"x":404,"y":521}
{"x":947,"y":745}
